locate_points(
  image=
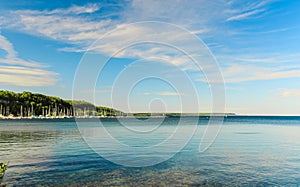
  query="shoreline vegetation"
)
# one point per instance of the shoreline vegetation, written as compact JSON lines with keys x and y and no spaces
{"x":27,"y":105}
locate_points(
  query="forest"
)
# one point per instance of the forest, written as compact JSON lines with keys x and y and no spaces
{"x":27,"y":104}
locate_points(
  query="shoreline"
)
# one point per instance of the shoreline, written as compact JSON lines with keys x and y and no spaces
{"x":139,"y":117}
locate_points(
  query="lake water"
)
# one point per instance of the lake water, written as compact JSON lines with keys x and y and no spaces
{"x":248,"y":151}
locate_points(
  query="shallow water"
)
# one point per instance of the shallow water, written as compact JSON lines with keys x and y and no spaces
{"x":248,"y":151}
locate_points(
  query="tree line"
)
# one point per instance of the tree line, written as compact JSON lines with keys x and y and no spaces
{"x":27,"y":104}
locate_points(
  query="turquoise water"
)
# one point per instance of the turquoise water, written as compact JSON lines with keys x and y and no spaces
{"x":248,"y":151}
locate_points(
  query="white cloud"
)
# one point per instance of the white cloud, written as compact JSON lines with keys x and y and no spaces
{"x":69,"y":26}
{"x":24,"y":71}
{"x":268,"y":75}
{"x":270,"y":66}
{"x":89,"y":8}
{"x":73,"y":10}
{"x":18,"y":61}
{"x":248,"y":9}
{"x":277,"y":30}
{"x":7,"y":47}
{"x":82,"y":31}
{"x":245,"y":15}
{"x":262,"y":59}
{"x":20,"y":72}
{"x":26,"y":80}
{"x":96,"y":91}
{"x":70,"y":29}
{"x":66,"y":25}
{"x":190,"y":14}
{"x":24,"y":76}
{"x":234,"y":73}
{"x":201,"y":17}
{"x":164,"y":93}
{"x":284,"y":92}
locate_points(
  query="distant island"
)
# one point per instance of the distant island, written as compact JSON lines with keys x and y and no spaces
{"x":27,"y":105}
{"x":142,"y":115}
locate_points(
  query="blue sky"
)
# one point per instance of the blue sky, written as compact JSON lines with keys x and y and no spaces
{"x":256,"y":44}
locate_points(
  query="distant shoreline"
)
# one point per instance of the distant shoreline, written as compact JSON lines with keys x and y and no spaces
{"x":139,"y":117}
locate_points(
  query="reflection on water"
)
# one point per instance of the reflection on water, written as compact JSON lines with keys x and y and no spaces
{"x":247,"y":152}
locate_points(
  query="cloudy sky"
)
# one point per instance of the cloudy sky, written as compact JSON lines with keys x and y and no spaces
{"x":256,"y":45}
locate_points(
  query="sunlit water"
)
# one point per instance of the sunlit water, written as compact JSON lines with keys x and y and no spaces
{"x":249,"y":151}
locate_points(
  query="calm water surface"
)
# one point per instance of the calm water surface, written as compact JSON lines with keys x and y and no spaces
{"x":249,"y":151}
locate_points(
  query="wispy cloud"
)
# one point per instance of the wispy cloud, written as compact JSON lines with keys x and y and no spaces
{"x":69,"y":26}
{"x":73,"y":10}
{"x":18,"y":61}
{"x":249,"y":10}
{"x":260,"y":75}
{"x":164,"y":93}
{"x":276,"y":30}
{"x":244,"y":15}
{"x":7,"y":47}
{"x":22,"y":76}
{"x":195,"y":15}
{"x":284,"y":92}
{"x":96,"y":91}
{"x":254,"y":67}
{"x":261,"y":59}
{"x":20,"y":72}
{"x":88,"y":8}
{"x":72,"y":25}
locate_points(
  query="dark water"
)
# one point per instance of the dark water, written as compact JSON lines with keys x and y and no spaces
{"x":248,"y":151}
